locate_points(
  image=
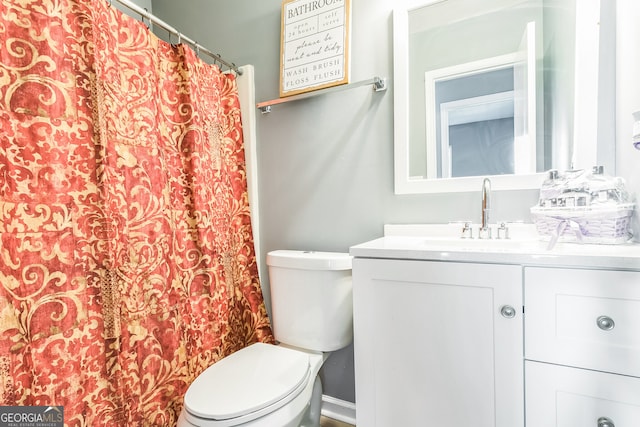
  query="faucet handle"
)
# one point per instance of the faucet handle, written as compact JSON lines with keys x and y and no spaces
{"x":467,"y":231}
{"x":503,"y":231}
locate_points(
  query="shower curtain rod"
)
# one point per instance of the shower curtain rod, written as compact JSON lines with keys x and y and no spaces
{"x":199,"y":48}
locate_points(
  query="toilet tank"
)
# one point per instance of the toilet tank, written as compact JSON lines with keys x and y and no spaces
{"x":311,"y":299}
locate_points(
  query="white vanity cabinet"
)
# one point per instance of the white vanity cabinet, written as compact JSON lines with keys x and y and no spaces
{"x":582,"y":347}
{"x":438,"y":343}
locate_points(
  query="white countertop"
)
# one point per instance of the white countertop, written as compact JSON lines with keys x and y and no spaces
{"x":401,"y":244}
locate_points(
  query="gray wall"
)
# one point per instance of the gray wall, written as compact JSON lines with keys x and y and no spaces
{"x":326,"y":164}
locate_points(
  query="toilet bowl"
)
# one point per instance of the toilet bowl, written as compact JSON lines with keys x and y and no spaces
{"x":260,"y":385}
{"x":278,"y":385}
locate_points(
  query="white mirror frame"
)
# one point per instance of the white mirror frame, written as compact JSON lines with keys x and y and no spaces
{"x":404,"y":184}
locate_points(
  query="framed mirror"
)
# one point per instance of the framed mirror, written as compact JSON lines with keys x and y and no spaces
{"x":500,"y":88}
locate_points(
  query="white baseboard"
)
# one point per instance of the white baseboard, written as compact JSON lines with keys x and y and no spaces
{"x":337,"y":409}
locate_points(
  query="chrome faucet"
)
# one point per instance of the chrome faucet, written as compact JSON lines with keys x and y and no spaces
{"x":485,"y":231}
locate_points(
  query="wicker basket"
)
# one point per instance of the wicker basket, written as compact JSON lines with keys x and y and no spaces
{"x":605,"y":224}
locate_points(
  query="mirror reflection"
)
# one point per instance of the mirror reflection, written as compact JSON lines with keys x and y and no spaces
{"x":490,"y":86}
{"x":470,"y":125}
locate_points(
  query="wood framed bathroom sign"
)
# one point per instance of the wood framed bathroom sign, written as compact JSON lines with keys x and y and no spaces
{"x":314,"y":45}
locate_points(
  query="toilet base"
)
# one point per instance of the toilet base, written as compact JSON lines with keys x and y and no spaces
{"x":311,"y":417}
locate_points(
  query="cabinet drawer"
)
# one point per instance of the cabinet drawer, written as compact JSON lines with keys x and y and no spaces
{"x":583,"y":318}
{"x":558,"y":396}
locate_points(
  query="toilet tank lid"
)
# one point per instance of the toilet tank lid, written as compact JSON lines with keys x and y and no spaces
{"x":309,"y":260}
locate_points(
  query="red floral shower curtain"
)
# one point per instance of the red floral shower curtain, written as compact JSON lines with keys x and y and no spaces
{"x":126,"y":260}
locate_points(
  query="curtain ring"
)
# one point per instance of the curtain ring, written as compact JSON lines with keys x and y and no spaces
{"x":179,"y":38}
{"x":142,"y":18}
{"x":197,"y":49}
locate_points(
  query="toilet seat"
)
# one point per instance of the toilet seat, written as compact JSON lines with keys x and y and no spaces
{"x":248,"y":384}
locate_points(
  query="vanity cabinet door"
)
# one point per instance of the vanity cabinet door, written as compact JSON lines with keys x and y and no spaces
{"x":438,"y":344}
{"x":559,"y":396}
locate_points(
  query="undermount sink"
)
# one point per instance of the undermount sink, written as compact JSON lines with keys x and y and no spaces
{"x":448,"y":237}
{"x":444,"y":242}
{"x":484,"y":244}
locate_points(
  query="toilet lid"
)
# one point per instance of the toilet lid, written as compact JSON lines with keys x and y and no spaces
{"x":247,"y":381}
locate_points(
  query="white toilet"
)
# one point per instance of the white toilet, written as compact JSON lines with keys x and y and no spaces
{"x":278,"y":385}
